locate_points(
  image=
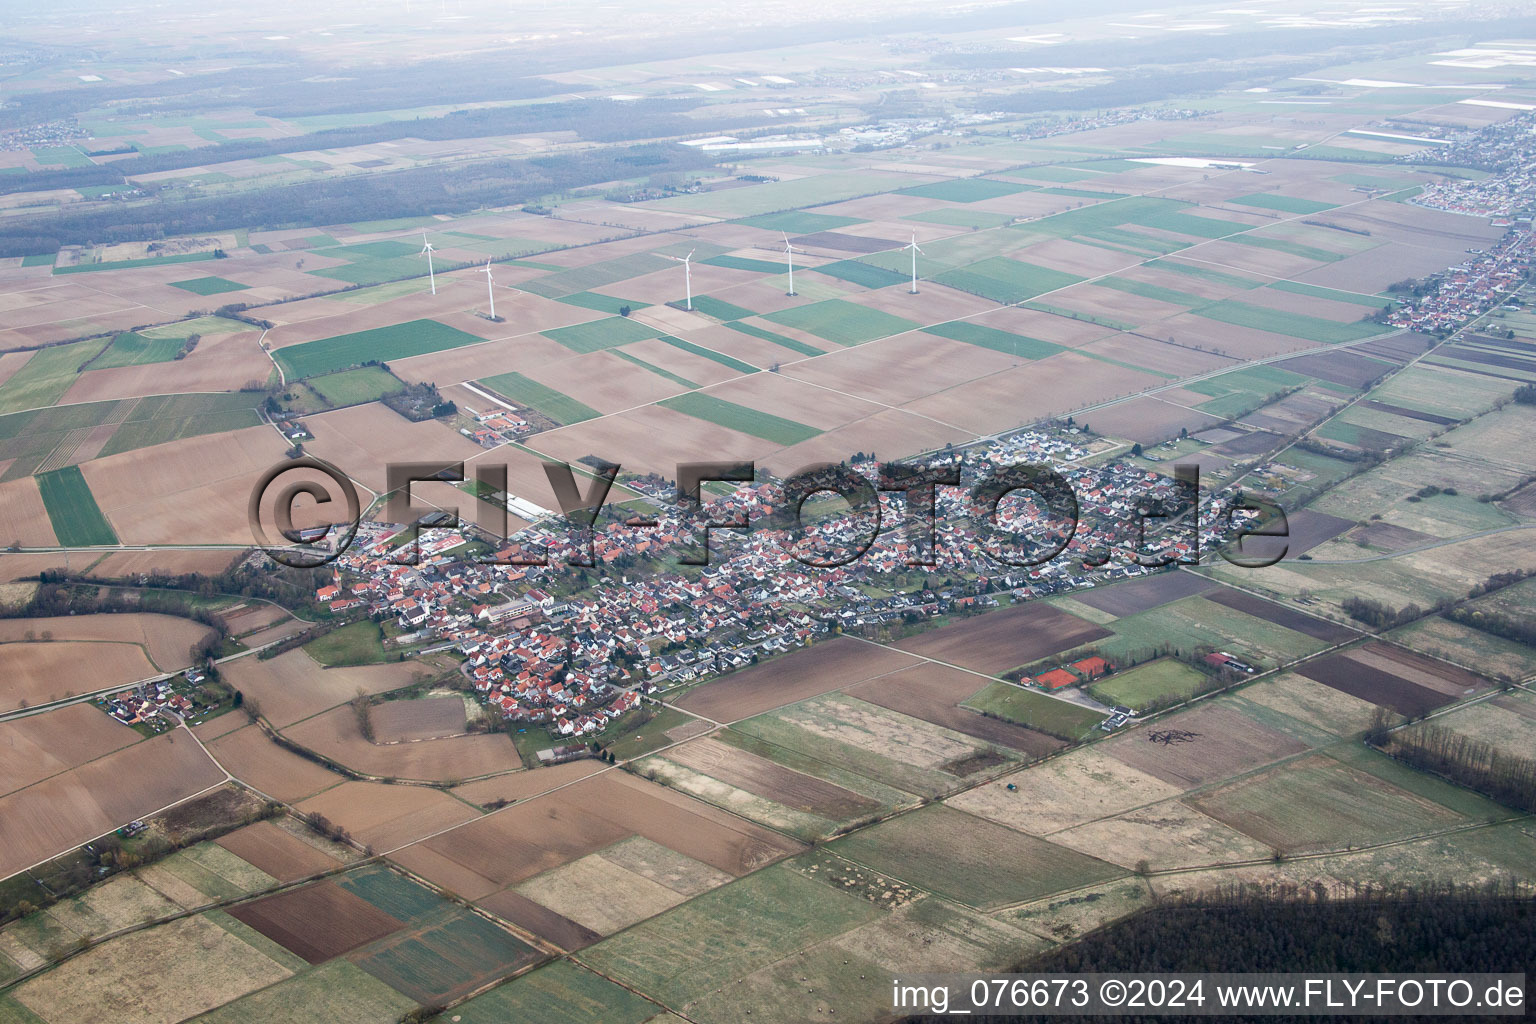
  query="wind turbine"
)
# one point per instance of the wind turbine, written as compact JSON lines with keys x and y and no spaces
{"x":915,"y":250}
{"x":427,"y":251}
{"x":488,"y":289}
{"x":789,"y":256}
{"x":687,"y":275}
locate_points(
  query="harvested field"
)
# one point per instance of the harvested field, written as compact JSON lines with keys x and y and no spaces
{"x":38,"y":673}
{"x":1148,"y":420}
{"x":388,"y":817}
{"x":122,"y":564}
{"x":1144,"y":594}
{"x":399,"y":721}
{"x":1346,"y":368}
{"x":1320,"y":804}
{"x":318,"y":922}
{"x":522,"y":785}
{"x":994,"y":642}
{"x":791,"y":678}
{"x":165,"y":637}
{"x":338,"y":735}
{"x":277,"y":851}
{"x":338,"y":992}
{"x":539,"y":920}
{"x":1386,"y":537}
{"x":38,"y":746}
{"x":1166,"y":835}
{"x":514,"y":844}
{"x":764,"y":778}
{"x":292,"y":686}
{"x":159,"y":976}
{"x":600,"y":895}
{"x":363,"y":440}
{"x":1440,"y":676}
{"x":1309,"y":528}
{"x":933,"y":693}
{"x":446,"y":959}
{"x":970,"y":860}
{"x":1221,"y":742}
{"x":251,"y":756}
{"x":78,"y":805}
{"x":1280,"y":615}
{"x":1080,"y":786}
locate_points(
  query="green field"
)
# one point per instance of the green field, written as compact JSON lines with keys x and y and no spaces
{"x":846,"y":323}
{"x":1191,"y":224}
{"x":396,"y":895}
{"x":1319,"y":292}
{"x":743,"y":263}
{"x":1006,"y":280}
{"x":361,"y":643}
{"x":61,"y":156}
{"x":209,"y":286}
{"x":398,"y":341}
{"x":798,"y":222}
{"x":337,"y":992}
{"x":1152,"y":681}
{"x":720,"y":309}
{"x":1252,"y":383}
{"x":1035,"y":711}
{"x":354,"y":387}
{"x":558,"y":993}
{"x":777,"y":339}
{"x":1285,"y":204}
{"x":708,"y":353}
{"x":525,"y":391}
{"x":969,"y":860}
{"x":130,"y":349}
{"x":77,"y":519}
{"x":445,"y":958}
{"x":727,"y":933}
{"x":1152,"y":291}
{"x":965,"y":190}
{"x":602,"y":303}
{"x":962,"y":218}
{"x":40,"y":259}
{"x":151,"y":261}
{"x":658,"y":371}
{"x":1194,"y":623}
{"x":994,"y":339}
{"x":1061,"y":175}
{"x":165,"y":418}
{"x":738,"y":417}
{"x":596,"y":275}
{"x":597,"y":335}
{"x":866,"y":274}
{"x":43,"y":379}
{"x":1306,"y":252}
{"x":1296,"y":325}
{"x":1206,"y":273}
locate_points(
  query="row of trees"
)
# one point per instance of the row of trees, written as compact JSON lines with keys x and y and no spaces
{"x":1469,"y":762}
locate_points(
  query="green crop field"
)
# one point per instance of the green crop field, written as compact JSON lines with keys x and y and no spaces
{"x":396,"y":895}
{"x":743,"y":263}
{"x":658,"y":371}
{"x":130,"y":349}
{"x":1194,"y":623}
{"x":165,"y":418}
{"x":1152,"y":681}
{"x":446,"y":958}
{"x":597,"y":335}
{"x":1306,"y":252}
{"x":965,"y":190}
{"x":40,"y":259}
{"x":1191,"y":224}
{"x":797,"y":222}
{"x":209,"y":286}
{"x":738,"y":417}
{"x":360,"y":643}
{"x":720,"y":309}
{"x":962,"y":858}
{"x":337,"y":992}
{"x":1006,"y":280}
{"x":523,"y":390}
{"x":602,"y":303}
{"x":77,"y":519}
{"x":1205,"y":273}
{"x":846,"y":323}
{"x":596,"y":275}
{"x":778,"y":339}
{"x":1036,"y":711}
{"x":61,"y":156}
{"x":1317,"y":291}
{"x":727,"y":933}
{"x":866,"y":274}
{"x":1253,"y":381}
{"x":962,"y":218}
{"x":708,"y":353}
{"x":1063,"y":175}
{"x":558,"y":993}
{"x":1151,"y":291}
{"x":398,"y":341}
{"x":43,"y":379}
{"x":151,"y":261}
{"x":354,"y":387}
{"x":1285,"y":204}
{"x":994,"y":339}
{"x":1296,"y":325}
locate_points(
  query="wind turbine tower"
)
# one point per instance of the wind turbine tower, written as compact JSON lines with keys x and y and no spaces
{"x":427,"y":250}
{"x":489,"y":290}
{"x":789,"y":257}
{"x":915,"y":250}
{"x":687,"y":276}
